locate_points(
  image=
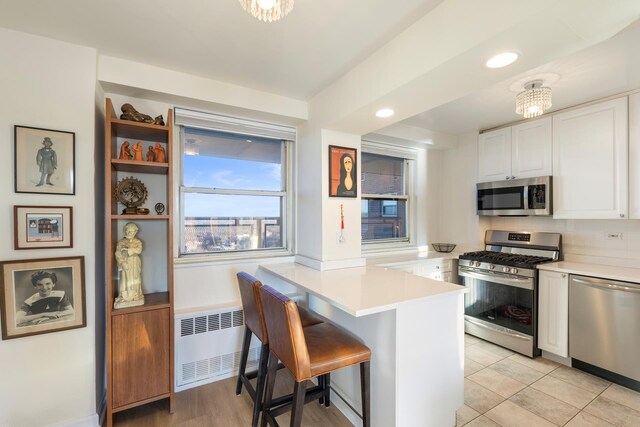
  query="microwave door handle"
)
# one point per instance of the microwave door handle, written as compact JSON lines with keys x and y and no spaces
{"x":525,"y":196}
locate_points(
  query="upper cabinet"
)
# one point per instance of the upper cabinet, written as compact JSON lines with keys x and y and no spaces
{"x":521,"y":151}
{"x":590,"y":157}
{"x":634,"y":156}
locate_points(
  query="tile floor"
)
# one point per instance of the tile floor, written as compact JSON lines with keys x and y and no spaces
{"x":506,"y":389}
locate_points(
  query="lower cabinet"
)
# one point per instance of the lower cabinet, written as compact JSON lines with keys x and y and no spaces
{"x":140,"y":352}
{"x":553,"y":312}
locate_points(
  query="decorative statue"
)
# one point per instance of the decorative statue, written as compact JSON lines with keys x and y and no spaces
{"x":130,"y":113}
{"x":137,"y":151}
{"x":47,"y":162}
{"x":127,"y":255}
{"x":125,"y":152}
{"x":150,"y":154}
{"x":160,"y":154}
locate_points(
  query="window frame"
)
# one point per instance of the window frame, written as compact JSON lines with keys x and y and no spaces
{"x":286,"y":194}
{"x":409,"y":156}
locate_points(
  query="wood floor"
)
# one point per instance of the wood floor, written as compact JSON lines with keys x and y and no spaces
{"x":216,"y":404}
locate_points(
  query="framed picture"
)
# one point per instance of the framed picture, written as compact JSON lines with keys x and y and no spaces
{"x":343,"y":172}
{"x":42,"y":227}
{"x":44,"y":161}
{"x":39,"y":296}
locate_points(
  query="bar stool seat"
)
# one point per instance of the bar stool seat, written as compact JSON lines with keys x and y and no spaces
{"x":255,"y":325}
{"x":309,"y":352}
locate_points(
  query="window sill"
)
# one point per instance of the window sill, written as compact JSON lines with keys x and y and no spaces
{"x":374,"y":249}
{"x":229,"y":259}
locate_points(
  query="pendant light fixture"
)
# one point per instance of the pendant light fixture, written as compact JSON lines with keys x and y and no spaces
{"x":534,"y":100}
{"x":267,"y":10}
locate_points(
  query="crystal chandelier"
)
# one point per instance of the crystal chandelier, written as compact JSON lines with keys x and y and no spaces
{"x":534,"y":100}
{"x":267,"y":10}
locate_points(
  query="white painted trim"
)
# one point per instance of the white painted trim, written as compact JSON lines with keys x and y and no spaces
{"x":90,"y":421}
{"x":555,"y":358}
{"x":330,"y":265}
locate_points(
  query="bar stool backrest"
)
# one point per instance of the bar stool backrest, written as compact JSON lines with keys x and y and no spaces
{"x":286,"y":338}
{"x":252,"y":305}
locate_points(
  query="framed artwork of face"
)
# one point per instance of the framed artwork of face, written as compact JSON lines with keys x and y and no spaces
{"x":343,"y":172}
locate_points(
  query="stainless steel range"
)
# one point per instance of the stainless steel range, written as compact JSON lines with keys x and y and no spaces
{"x":501,"y":304}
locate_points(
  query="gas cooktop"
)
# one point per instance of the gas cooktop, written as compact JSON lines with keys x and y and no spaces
{"x":508,"y":259}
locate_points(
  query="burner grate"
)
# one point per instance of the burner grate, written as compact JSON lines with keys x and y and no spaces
{"x":509,"y":259}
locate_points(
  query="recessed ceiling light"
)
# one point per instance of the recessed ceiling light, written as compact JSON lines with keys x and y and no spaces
{"x":384,"y":112}
{"x":502,"y":60}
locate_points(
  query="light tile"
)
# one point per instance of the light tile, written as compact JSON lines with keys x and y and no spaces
{"x":539,"y":364}
{"x":584,"y":419}
{"x":614,"y":413}
{"x":496,"y":382}
{"x":465,"y":414}
{"x":471,"y":367}
{"x":581,"y":379}
{"x":480,"y":398}
{"x":508,"y":414}
{"x":484,"y":357}
{"x":482,"y":421}
{"x":545,"y":406}
{"x":517,"y":371}
{"x":495,"y":349}
{"x":623,"y":395}
{"x":564,"y":391}
{"x":470,"y":340}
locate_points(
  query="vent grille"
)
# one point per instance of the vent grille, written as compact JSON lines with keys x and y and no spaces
{"x":186,"y":327}
{"x":225,"y":320}
{"x":201,"y":324}
{"x":212,"y":322}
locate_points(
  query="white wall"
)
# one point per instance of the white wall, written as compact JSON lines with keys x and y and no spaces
{"x":49,"y":379}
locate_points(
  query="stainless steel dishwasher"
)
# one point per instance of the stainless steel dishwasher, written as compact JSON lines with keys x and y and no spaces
{"x":604,"y":328}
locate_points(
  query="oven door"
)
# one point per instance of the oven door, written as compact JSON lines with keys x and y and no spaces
{"x":501,"y":308}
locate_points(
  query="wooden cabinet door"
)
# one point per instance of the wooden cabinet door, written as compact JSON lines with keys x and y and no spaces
{"x":494,"y":155}
{"x":590,"y":155}
{"x":634,"y":156}
{"x":553,"y":312}
{"x":531,"y":149}
{"x":141,"y":346}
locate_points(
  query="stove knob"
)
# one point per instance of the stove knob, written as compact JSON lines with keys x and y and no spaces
{"x":492,"y":267}
{"x":478,"y":263}
{"x":514,"y":270}
{"x":505,"y":269}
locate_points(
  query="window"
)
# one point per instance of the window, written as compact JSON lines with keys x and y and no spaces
{"x":233,"y":193}
{"x":385,"y":197}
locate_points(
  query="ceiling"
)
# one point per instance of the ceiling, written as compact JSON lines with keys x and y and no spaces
{"x":296,"y":57}
{"x":605,"y":69}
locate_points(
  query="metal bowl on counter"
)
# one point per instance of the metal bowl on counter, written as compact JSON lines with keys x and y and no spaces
{"x":443,"y":247}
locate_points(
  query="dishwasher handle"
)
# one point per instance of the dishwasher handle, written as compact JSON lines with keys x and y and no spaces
{"x":606,"y":284}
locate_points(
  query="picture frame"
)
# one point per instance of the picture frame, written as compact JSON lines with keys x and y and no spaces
{"x":39,"y":296}
{"x":44,"y":161}
{"x":42,"y":227}
{"x":343,"y":182}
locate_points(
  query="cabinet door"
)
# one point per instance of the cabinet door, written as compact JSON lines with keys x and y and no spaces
{"x":634,"y":156}
{"x":531,"y":153}
{"x":553,"y":313}
{"x":494,"y":155}
{"x":590,"y":155}
{"x":140,"y":343}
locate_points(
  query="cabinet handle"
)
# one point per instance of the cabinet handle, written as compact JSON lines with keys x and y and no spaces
{"x":621,"y":215}
{"x":564,"y":276}
{"x":513,"y":177}
{"x":507,"y":177}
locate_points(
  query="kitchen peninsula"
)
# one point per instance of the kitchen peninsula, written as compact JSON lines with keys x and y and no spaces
{"x":414,"y":327}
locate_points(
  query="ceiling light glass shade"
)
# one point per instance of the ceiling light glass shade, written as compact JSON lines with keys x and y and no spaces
{"x":502,"y":60}
{"x":267,"y":10}
{"x":534,"y":100}
{"x":384,"y":112}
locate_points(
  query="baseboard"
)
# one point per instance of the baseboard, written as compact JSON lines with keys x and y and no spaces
{"x":566,"y":361}
{"x":90,"y":421}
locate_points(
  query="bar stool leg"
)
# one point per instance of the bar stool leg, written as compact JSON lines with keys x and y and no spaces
{"x":243,"y":358}
{"x":272,"y":370}
{"x":262,"y":374}
{"x":364,"y":388}
{"x":327,"y":386}
{"x":321,"y":385}
{"x":298,"y":403}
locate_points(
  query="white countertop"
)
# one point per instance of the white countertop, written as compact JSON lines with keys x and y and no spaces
{"x":361,"y":291}
{"x":624,"y":274}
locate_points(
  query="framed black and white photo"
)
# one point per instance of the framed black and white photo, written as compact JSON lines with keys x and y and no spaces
{"x":44,"y":161}
{"x":42,"y":227}
{"x":39,"y":296}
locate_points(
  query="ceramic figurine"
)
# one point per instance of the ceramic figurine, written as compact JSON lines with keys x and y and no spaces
{"x":125,"y":152}
{"x":137,"y":151}
{"x":130,"y":113}
{"x":161,"y":155}
{"x":150,"y":154}
{"x":127,"y":256}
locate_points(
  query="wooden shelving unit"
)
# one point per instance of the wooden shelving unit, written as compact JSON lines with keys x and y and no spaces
{"x":140,"y":353}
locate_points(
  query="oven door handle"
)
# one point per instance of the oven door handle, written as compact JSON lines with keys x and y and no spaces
{"x":497,"y":328}
{"x":499,"y":278}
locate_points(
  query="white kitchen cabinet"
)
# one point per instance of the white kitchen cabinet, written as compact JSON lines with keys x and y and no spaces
{"x":553,"y":312}
{"x":521,"y":151}
{"x":590,"y":155}
{"x":634,"y":156}
{"x":445,"y":270}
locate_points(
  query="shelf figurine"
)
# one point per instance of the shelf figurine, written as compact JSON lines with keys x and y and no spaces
{"x":127,"y":256}
{"x":151,"y":154}
{"x":125,"y":151}
{"x":137,"y":151}
{"x":130,"y":113}
{"x":160,"y":154}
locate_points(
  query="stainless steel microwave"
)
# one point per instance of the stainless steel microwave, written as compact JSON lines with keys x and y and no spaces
{"x":516,"y":197}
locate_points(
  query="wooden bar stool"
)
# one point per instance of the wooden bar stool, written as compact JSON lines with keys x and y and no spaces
{"x":308,"y":352}
{"x":254,"y":324}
